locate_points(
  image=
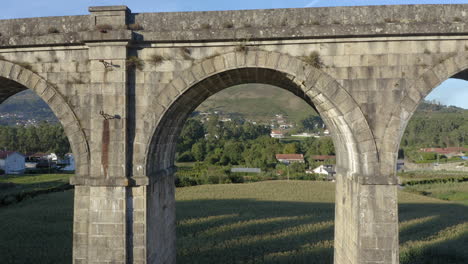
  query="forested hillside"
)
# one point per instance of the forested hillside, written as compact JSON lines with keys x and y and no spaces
{"x":25,"y":108}
{"x":433,"y":125}
{"x":258,"y":102}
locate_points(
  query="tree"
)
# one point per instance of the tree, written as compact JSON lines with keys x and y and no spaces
{"x":291,"y":148}
{"x":191,"y":132}
{"x":199,"y":150}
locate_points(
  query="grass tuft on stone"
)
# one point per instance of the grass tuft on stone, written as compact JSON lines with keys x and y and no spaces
{"x":134,"y":62}
{"x":53,"y":30}
{"x":156,"y":59}
{"x":314,"y":60}
{"x":205,"y":26}
{"x":135,"y":26}
{"x":228,"y":24}
{"x":104,"y":28}
{"x":186,"y":53}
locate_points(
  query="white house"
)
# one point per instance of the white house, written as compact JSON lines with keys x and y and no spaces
{"x":303,"y":135}
{"x":325,"y":170}
{"x":276,"y":134}
{"x":52,"y":157}
{"x":12,"y":162}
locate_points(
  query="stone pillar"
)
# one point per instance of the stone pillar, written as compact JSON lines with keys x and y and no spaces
{"x":161,"y":240}
{"x":107,"y":211}
{"x":99,"y":231}
{"x":366,"y":222}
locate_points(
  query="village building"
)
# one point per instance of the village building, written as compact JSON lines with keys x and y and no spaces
{"x":276,"y":134}
{"x":246,"y":170}
{"x":12,"y":162}
{"x":327,"y":170}
{"x":448,"y":152}
{"x":303,"y":135}
{"x":322,"y":158}
{"x":290,"y":158}
{"x":41,"y":160}
{"x":286,"y":126}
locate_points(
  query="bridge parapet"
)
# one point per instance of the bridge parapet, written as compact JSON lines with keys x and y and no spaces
{"x":295,"y":23}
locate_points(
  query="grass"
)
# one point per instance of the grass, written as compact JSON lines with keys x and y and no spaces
{"x":453,"y":191}
{"x":33,"y":182}
{"x":135,"y":63}
{"x":37,"y":230}
{"x":265,"y":222}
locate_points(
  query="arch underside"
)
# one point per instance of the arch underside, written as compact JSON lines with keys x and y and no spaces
{"x":15,"y":78}
{"x":9,"y":88}
{"x":455,"y":67}
{"x":463,"y":75}
{"x":163,"y":148}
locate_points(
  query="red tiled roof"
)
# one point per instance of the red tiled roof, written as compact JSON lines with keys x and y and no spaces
{"x":289,"y":156}
{"x":276,"y":132}
{"x":445,"y":150}
{"x":37,"y":154}
{"x":322,"y":157}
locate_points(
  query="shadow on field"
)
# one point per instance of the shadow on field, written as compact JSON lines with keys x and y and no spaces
{"x":20,"y":191}
{"x":253,"y":231}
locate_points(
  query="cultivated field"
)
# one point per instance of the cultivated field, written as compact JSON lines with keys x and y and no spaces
{"x":264,"y":222}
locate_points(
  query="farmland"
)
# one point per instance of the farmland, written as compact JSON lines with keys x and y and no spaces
{"x":16,"y":188}
{"x":264,"y":222}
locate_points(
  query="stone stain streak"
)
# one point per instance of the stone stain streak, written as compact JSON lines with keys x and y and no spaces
{"x":105,"y":146}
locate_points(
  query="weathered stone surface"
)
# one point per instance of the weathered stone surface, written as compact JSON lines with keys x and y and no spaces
{"x":124,"y":93}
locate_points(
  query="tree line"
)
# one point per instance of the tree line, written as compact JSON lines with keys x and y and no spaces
{"x":238,"y":143}
{"x":42,"y":138}
{"x":441,"y":129}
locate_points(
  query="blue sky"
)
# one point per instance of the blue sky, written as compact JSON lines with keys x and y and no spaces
{"x":452,"y":92}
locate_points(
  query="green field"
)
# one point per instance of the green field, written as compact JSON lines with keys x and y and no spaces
{"x":17,"y":188}
{"x":264,"y":222}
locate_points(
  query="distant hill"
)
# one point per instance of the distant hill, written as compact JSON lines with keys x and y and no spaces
{"x":25,"y":108}
{"x":252,"y":101}
{"x":256,"y":102}
{"x":428,"y":107}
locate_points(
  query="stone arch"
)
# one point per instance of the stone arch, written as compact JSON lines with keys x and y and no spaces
{"x":454,"y":66}
{"x":14,"y":78}
{"x":338,"y":109}
{"x":354,"y":142}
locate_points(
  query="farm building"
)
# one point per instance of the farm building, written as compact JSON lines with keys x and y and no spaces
{"x":327,"y":170}
{"x":277,"y":134}
{"x":322,"y":158}
{"x":246,"y":170}
{"x":449,"y":152}
{"x":290,"y":158}
{"x":12,"y":162}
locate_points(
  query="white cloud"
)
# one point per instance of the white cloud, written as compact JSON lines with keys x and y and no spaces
{"x":312,"y":3}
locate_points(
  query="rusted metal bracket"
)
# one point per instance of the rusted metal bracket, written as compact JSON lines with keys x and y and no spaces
{"x":107,"y":116}
{"x":108,"y":65}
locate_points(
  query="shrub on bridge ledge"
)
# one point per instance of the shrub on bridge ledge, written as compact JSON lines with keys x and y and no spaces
{"x":314,"y":60}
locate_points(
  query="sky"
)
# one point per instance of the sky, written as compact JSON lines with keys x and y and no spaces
{"x":451,"y":92}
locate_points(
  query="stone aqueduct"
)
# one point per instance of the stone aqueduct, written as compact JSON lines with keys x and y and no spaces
{"x":122,"y":85}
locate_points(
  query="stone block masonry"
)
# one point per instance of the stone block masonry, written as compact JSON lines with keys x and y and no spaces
{"x":122,"y":85}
